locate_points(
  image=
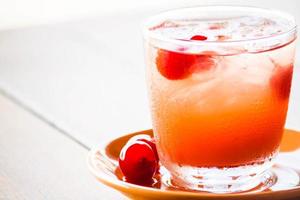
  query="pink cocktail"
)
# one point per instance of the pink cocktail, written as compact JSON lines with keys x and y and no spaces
{"x":219,"y":81}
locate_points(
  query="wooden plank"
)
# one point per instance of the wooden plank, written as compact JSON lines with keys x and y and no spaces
{"x":92,"y":87}
{"x":38,"y":162}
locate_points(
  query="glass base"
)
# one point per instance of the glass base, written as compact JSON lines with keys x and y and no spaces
{"x":254,"y":177}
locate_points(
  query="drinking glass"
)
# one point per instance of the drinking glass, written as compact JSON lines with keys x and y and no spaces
{"x":219,"y":79}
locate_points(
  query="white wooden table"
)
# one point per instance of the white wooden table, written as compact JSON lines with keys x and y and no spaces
{"x":67,"y":87}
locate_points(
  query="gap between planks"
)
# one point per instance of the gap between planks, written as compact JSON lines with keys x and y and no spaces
{"x":40,"y":116}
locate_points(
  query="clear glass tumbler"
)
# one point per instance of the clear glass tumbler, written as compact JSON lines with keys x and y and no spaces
{"x":219,"y":79}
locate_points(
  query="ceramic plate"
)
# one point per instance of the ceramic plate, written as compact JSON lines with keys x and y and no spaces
{"x":103,"y":164}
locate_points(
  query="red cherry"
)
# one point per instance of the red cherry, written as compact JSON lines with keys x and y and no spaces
{"x":137,"y":162}
{"x":199,"y":37}
{"x":173,"y":65}
{"x":203,"y":63}
{"x":148,"y":140}
{"x":281,"y":81}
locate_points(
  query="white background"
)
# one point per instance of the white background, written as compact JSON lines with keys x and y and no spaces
{"x":14,"y":13}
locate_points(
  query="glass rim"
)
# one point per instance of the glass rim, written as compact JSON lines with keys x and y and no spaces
{"x":284,"y":15}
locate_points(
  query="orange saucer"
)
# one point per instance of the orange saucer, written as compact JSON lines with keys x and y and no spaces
{"x":103,"y":164}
